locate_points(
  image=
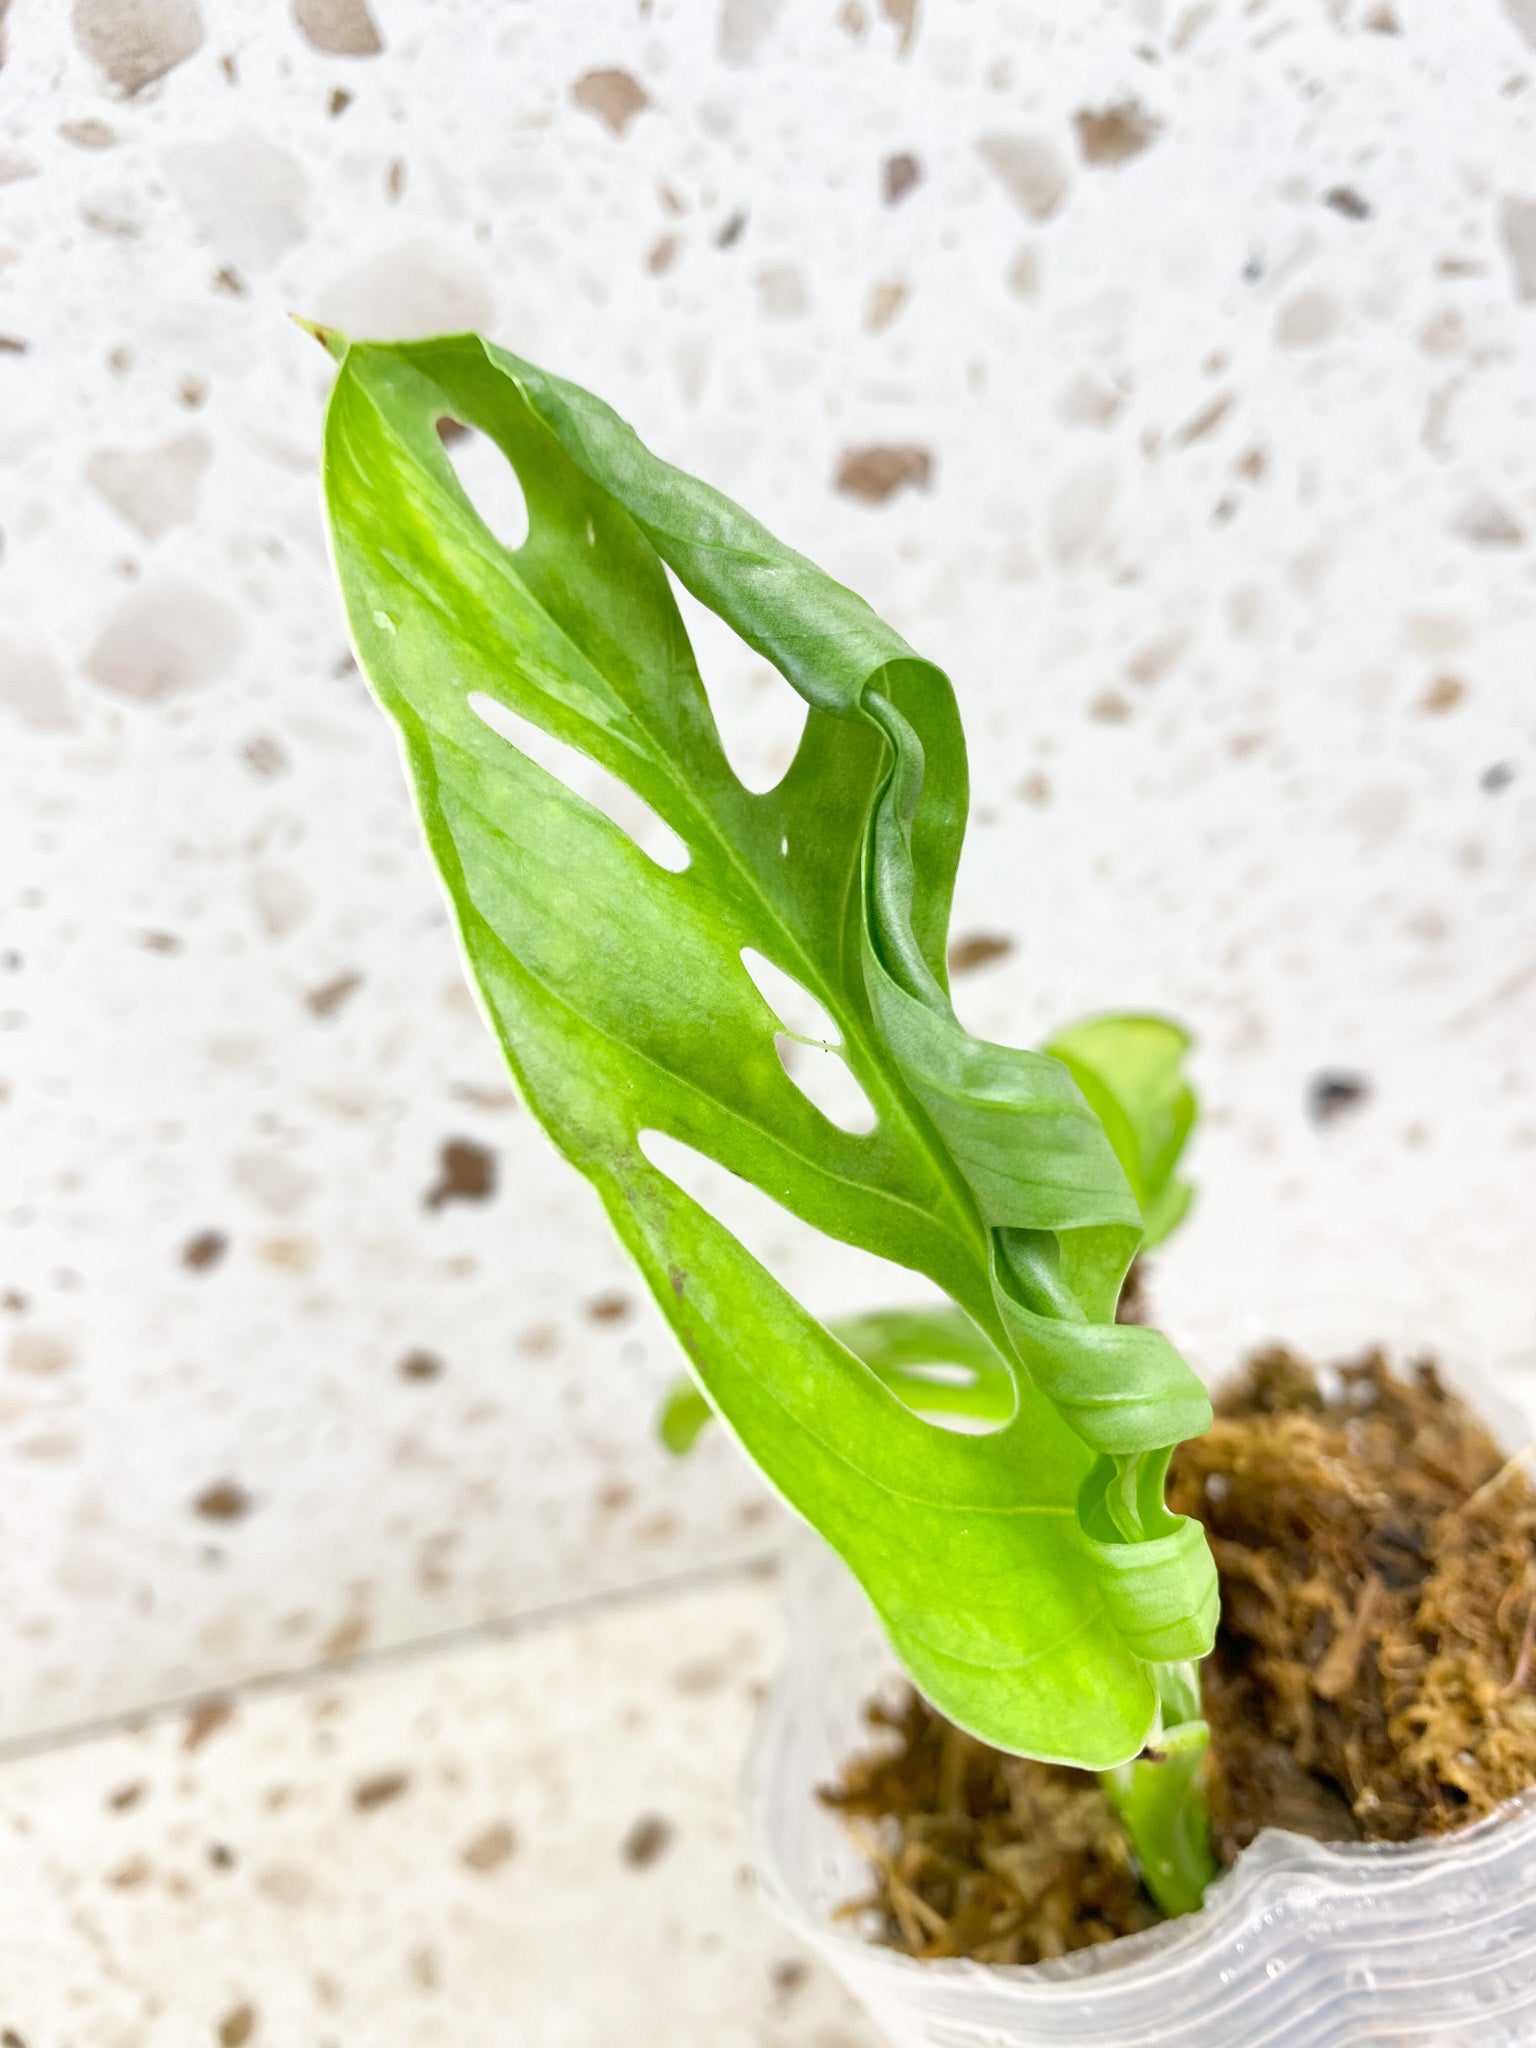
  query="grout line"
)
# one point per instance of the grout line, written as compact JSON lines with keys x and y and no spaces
{"x":303,"y":1677}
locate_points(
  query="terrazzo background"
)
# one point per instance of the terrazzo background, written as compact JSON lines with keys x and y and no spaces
{"x":1198,"y":343}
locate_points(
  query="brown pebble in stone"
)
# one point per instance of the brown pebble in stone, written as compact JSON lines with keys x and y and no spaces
{"x":1114,"y":134}
{"x":326,"y":1000}
{"x":238,"y":2026}
{"x":421,"y":1365}
{"x":613,"y":95}
{"x":204,"y":1250}
{"x":1030,"y":169}
{"x":1346,"y":201}
{"x":466,"y":1173}
{"x":877,"y":473}
{"x":490,"y":1848}
{"x":975,"y":950}
{"x":338,"y":28}
{"x":609,"y":1308}
{"x":223,"y":1501}
{"x":1443,"y":694}
{"x":371,"y":1793}
{"x":205,"y":1720}
{"x":898,"y":175}
{"x":137,"y":41}
{"x":647,"y":1841}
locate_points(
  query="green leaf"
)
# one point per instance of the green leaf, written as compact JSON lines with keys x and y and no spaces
{"x":1131,"y":1070}
{"x":623,"y":1005}
{"x":683,"y":1415}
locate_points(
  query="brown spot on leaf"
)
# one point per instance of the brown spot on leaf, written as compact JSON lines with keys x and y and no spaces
{"x":204,"y":1250}
{"x":329,"y":997}
{"x":647,"y":1840}
{"x":613,"y":95}
{"x":238,"y":2026}
{"x":338,"y":28}
{"x":975,"y":950}
{"x":137,"y":41}
{"x":877,"y":473}
{"x":679,"y":1280}
{"x":223,"y":1501}
{"x":898,"y":175}
{"x":466,"y":1173}
{"x":492,"y":1847}
{"x":205,"y":1720}
{"x":421,"y":1365}
{"x":609,"y":1308}
{"x":371,"y":1793}
{"x":1114,"y":134}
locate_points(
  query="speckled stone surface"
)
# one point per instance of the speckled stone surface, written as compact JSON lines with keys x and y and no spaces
{"x":1165,"y":370}
{"x":531,"y":1842}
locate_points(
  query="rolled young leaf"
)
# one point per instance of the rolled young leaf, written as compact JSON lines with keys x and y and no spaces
{"x":623,"y":1005}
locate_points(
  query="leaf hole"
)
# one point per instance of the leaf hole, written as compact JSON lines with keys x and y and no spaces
{"x":759,"y":718}
{"x":488,"y":480}
{"x":818,"y":1069}
{"x":828,"y":1083}
{"x":829,"y":1277}
{"x":794,"y":1005}
{"x":587,"y":779}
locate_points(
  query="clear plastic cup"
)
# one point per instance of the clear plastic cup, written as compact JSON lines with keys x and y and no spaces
{"x":1303,"y":1945}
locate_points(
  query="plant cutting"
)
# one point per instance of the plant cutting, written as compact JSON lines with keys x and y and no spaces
{"x":1031,"y":1576}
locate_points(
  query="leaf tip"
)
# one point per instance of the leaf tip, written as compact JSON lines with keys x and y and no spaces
{"x":331,"y":339}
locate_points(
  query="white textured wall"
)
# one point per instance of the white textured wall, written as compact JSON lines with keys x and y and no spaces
{"x":1227,"y":539}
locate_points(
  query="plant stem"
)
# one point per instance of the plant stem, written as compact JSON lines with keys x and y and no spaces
{"x":1160,"y":1796}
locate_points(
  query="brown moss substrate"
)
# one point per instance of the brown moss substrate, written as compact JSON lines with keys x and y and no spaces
{"x":1374,"y":1677}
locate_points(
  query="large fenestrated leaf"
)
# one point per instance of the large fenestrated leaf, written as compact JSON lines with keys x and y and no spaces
{"x":1029,"y":1578}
